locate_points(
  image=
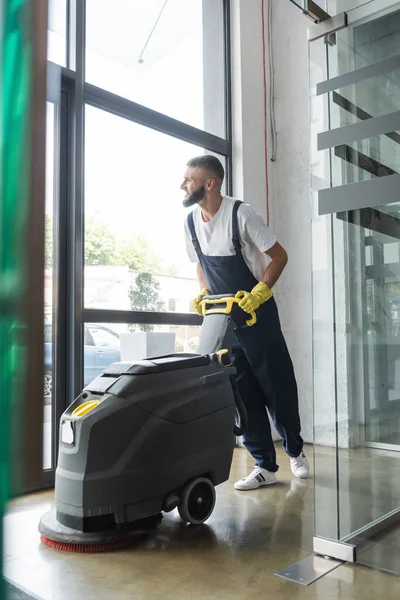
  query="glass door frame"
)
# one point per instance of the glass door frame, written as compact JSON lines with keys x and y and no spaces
{"x":361,"y":15}
{"x":329,"y":202}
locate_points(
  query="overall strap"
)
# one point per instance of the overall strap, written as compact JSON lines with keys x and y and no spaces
{"x":192,"y":230}
{"x":235,"y":227}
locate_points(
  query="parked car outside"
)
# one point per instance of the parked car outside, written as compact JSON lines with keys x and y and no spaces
{"x":101,"y":348}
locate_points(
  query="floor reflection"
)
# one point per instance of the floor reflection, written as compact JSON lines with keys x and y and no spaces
{"x":249,"y":537}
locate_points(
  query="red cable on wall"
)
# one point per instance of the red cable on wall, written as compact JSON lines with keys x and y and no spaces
{"x":265,"y":104}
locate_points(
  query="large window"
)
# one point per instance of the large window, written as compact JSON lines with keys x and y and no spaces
{"x":165,"y":54}
{"x":144,"y":88}
{"x":106,"y":343}
{"x":135,"y":255}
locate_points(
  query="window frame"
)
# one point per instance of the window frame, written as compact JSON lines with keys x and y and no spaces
{"x":70,"y":315}
{"x":85,"y":93}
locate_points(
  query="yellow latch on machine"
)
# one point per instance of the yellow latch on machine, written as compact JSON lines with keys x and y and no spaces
{"x":220,"y":354}
{"x":85,"y":408}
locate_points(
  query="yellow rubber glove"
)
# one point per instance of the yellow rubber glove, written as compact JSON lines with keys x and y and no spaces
{"x":252,"y":300}
{"x":196,"y":302}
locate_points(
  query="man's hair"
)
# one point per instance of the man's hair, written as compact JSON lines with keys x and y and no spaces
{"x":209,"y":163}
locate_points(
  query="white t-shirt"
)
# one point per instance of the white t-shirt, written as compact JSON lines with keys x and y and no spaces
{"x":215,"y":236}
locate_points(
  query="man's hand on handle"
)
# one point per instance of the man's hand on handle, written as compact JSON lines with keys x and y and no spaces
{"x":250,"y":301}
{"x":197,"y":301}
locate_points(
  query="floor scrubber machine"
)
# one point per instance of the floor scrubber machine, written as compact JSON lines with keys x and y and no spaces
{"x":148,"y":437}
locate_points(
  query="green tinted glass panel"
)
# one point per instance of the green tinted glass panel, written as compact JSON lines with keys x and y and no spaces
{"x":14,"y":134}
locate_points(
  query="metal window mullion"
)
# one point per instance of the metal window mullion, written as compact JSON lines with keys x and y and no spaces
{"x":64,"y":199}
{"x":228,"y":94}
{"x":56,"y":339}
{"x":68,"y":74}
{"x":76,"y":222}
{"x":131,"y":317}
{"x":147,"y":117}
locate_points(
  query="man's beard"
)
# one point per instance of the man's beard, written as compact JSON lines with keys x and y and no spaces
{"x":195,"y":197}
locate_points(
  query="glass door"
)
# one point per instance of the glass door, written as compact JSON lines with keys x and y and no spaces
{"x":355,"y":118}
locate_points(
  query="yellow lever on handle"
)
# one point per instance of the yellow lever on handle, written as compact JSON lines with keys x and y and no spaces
{"x":229,"y":301}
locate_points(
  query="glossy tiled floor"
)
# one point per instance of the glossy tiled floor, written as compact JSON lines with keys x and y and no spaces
{"x":249,"y":537}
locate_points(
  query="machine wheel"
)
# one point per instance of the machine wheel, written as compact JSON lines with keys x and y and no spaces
{"x":197,"y":501}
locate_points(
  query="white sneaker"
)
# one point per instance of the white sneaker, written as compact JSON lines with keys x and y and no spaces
{"x":256,"y":479}
{"x":300,"y":467}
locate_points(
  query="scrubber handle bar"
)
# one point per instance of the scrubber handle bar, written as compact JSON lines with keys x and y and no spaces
{"x":229,"y":301}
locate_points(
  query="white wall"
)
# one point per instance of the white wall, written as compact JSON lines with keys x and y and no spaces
{"x":289,"y":193}
{"x":288,"y":177}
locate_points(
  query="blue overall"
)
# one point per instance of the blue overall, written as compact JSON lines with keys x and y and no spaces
{"x":265,"y":374}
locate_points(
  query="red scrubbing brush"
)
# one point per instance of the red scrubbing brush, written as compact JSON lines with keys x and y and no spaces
{"x":60,"y":537}
{"x":101,"y":547}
